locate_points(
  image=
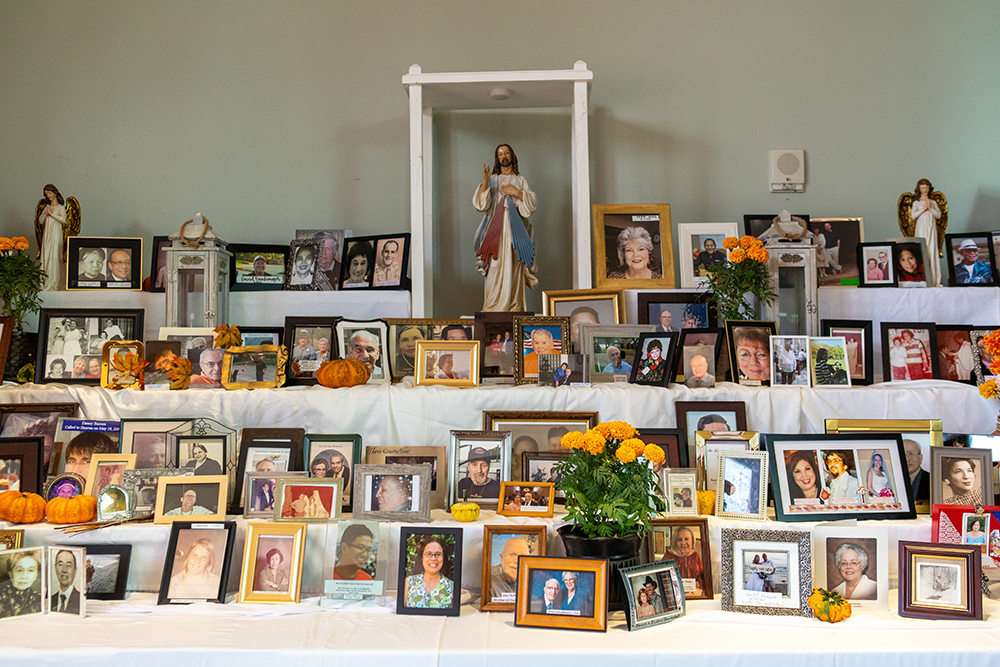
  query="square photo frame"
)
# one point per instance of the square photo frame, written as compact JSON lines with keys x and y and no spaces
{"x":366,"y":341}
{"x":404,"y":334}
{"x":272,"y":563}
{"x":686,"y":542}
{"x":182,"y":498}
{"x":938,"y":581}
{"x":961,"y":476}
{"x":76,"y":336}
{"x":99,"y":263}
{"x":766,"y":572}
{"x":611,"y":349}
{"x":857,"y":335}
{"x":532,"y":499}
{"x":110,"y":566}
{"x":392,"y":492}
{"x":449,"y":363}
{"x":544,"y":599}
{"x":584,"y":306}
{"x":878,"y":267}
{"x":853,"y":561}
{"x":648,"y":263}
{"x":421,"y":551}
{"x":495,"y":331}
{"x":970,"y":259}
{"x":749,"y":356}
{"x":699,"y":249}
{"x":502,"y":545}
{"x":308,"y":500}
{"x":196,"y":569}
{"x":311,"y":342}
{"x":480,"y":462}
{"x":302,"y":266}
{"x":647,"y":606}
{"x":260,"y":489}
{"x":333,"y":455}
{"x":257,"y":267}
{"x":697,"y":358}
{"x":741,"y":485}
{"x":534,"y":336}
{"x":909,"y":351}
{"x":673,"y":443}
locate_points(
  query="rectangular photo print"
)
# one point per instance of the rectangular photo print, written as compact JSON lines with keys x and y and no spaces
{"x":302,"y":266}
{"x":686,"y":542}
{"x":23,"y":578}
{"x":955,"y":359}
{"x":908,"y":262}
{"x":611,"y":349}
{"x":654,"y":593}
{"x":404,"y":334}
{"x":766,"y":572}
{"x":366,"y":341}
{"x":331,"y":247}
{"x":495,"y":331}
{"x":837,"y":255}
{"x":197,"y":563}
{"x":750,"y":357}
{"x":853,"y":562}
{"x":67,"y":590}
{"x":565,"y":593}
{"x":741,"y":486}
{"x":698,"y":356}
{"x":106,"y":568}
{"x":94,"y":263}
{"x":971,"y":260}
{"x":961,"y":476}
{"x":260,"y":490}
{"x":563,"y":370}
{"x":480,"y":462}
{"x":316,"y":500}
{"x":939,"y":581}
{"x":158,"y":264}
{"x":878,"y":268}
{"x":790,"y":361}
{"x":448,"y":363}
{"x":909,"y":351}
{"x":356,"y":567}
{"x":430,"y":571}
{"x":828,"y":357}
{"x":857,"y":335}
{"x":256,"y":267}
{"x":502,"y":545}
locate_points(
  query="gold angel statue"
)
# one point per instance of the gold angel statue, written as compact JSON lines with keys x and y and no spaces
{"x":56,"y":220}
{"x":923,"y":213}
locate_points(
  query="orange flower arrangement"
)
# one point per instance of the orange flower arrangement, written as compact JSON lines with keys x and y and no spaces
{"x":744,"y":272}
{"x":989,"y":388}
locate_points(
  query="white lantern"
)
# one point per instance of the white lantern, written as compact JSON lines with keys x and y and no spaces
{"x":197,"y":277}
{"x":792,"y":270}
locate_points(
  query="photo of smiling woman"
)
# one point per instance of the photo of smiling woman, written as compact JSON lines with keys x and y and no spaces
{"x":752,"y":355}
{"x":804,"y":487}
{"x":635,"y":250}
{"x":959,"y":478}
{"x":358,"y":265}
{"x":429,"y":585}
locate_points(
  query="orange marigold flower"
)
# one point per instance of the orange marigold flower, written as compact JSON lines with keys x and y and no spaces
{"x":989,"y":389}
{"x":758,"y":254}
{"x":637,"y":445}
{"x":620,"y":430}
{"x":625,"y":454}
{"x":604,"y":428}
{"x":992,"y":342}
{"x":995,"y":366}
{"x":747,"y":241}
{"x":20,"y":243}
{"x":736,"y":256}
{"x":6,"y":244}
{"x":654,"y":453}
{"x":730,"y":242}
{"x":572,"y":440}
{"x":593,"y":442}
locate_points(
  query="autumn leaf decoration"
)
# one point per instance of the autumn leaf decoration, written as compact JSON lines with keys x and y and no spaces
{"x":180,"y":373}
{"x":227,"y":336}
{"x":128,"y":368}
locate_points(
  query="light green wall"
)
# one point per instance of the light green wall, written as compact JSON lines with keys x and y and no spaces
{"x":267,"y":116}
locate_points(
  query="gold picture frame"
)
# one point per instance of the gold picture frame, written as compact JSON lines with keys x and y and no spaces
{"x":112,"y":378}
{"x":608,"y":306}
{"x":281,"y":363}
{"x":433,"y":328}
{"x":654,"y":220}
{"x":127,"y":460}
{"x":425,"y":354}
{"x":11,"y":539}
{"x":285,"y":536}
{"x":211,"y":490}
{"x":742,"y":440}
{"x":527,"y":373}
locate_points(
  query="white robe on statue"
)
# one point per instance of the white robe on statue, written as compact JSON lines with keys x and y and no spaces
{"x":926,"y":218}
{"x":506,"y":276}
{"x":52,"y":245}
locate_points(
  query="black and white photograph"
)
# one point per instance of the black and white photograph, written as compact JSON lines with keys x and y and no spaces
{"x":22,"y":582}
{"x":939,"y":583}
{"x":71,"y":341}
{"x":67,"y":590}
{"x":331,"y":248}
{"x":302,"y":269}
{"x":790,"y":361}
{"x":257,"y":267}
{"x":961,"y":476}
{"x":358,"y":267}
{"x":104,"y":263}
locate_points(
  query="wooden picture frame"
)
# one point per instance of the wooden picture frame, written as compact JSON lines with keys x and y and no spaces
{"x":90,"y":328}
{"x":691,"y":244}
{"x":488,"y":326}
{"x":708,"y":446}
{"x":113,"y":357}
{"x":983,"y":273}
{"x":866,"y":550}
{"x":107,"y":559}
{"x":938,"y":582}
{"x":534,"y":573}
{"x":584,"y":306}
{"x":656,"y":239}
{"x":259,"y":355}
{"x":254,"y":495}
{"x":436,"y":457}
{"x":638,"y":579}
{"x":122,"y":462}
{"x":846,"y":235}
{"x":444,"y":600}
{"x":308,"y":279}
{"x":645,"y":370}
{"x":432,"y":353}
{"x":858,"y":333}
{"x":501,"y":555}
{"x":313,"y":331}
{"x":791,"y":546}
{"x":343,"y":449}
{"x":536,"y":431}
{"x":6,"y":334}
{"x":245,"y":275}
{"x":949,"y":474}
{"x":158,"y":262}
{"x":347,"y":329}
{"x":195,"y":541}
{"x":673,"y":443}
{"x":258,"y":445}
{"x":490,"y":447}
{"x":514,"y":496}
{"x":924,"y":333}
{"x":692,"y":552}
{"x":409,"y":494}
{"x":84,"y":274}
{"x":754,"y":336}
{"x":20,"y":420}
{"x":284,"y":585}
{"x":209,"y":489}
{"x":597,"y":341}
{"x":405,"y":332}
{"x":526,"y":364}
{"x":694,"y":416}
{"x":887,"y":269}
{"x":287,"y":509}
{"x":749,"y":502}
{"x":22,"y":458}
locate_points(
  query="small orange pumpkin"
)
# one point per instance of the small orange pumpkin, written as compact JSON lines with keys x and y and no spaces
{"x":343,"y":373}
{"x":829,"y":606}
{"x":22,"y":507}
{"x":78,"y":509}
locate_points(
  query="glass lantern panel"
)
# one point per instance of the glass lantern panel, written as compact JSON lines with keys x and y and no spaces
{"x":792,"y":301}
{"x":191,"y":297}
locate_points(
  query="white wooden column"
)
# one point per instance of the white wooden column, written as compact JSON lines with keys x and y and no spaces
{"x":420,"y":236}
{"x":581,"y":184}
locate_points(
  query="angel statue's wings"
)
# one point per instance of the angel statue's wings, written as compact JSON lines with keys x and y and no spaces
{"x":909,"y":226}
{"x":39,"y":227}
{"x":72,"y":226}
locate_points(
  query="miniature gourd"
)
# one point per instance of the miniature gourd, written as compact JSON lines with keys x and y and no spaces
{"x":19,"y":507}
{"x":829,"y":606}
{"x":465,"y":511}
{"x":343,"y":373}
{"x":78,"y":509}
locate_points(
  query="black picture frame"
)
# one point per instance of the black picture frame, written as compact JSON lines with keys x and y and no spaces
{"x":666,"y":366}
{"x":289,"y":439}
{"x":277,"y":335}
{"x":917,"y":277}
{"x":313,"y":442}
{"x":124,"y":554}
{"x":648,"y":301}
{"x":406,"y":535}
{"x":294,"y":249}
{"x":673,"y":443}
{"x":848,"y":233}
{"x":731,"y":327}
{"x":29,"y":453}
{"x":864,"y":327}
{"x":45,"y":322}
{"x":292,"y":324}
{"x":720,"y":336}
{"x":156,"y":263}
{"x":369,"y":247}
{"x":486,"y":325}
{"x":984,"y":245}
{"x":755,"y":224}
{"x":172,"y":552}
{"x":82,"y":247}
{"x":890,"y":265}
{"x":930,"y":327}
{"x":240,"y":251}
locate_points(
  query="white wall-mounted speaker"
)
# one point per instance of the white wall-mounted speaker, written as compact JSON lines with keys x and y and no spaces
{"x":788,"y":170}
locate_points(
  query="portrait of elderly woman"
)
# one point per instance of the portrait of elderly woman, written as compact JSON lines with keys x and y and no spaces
{"x":197,"y":565}
{"x":751,"y":354}
{"x":358,"y":265}
{"x":21,"y":593}
{"x":635,"y":254}
{"x":852,"y":563}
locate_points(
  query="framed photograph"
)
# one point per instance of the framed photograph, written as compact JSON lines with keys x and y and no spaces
{"x":536,"y":431}
{"x":756,"y":224}
{"x":673,"y":443}
{"x":109,"y":564}
{"x":495,"y":331}
{"x":334,"y":455}
{"x":392,"y":492}
{"x":563,"y":370}
{"x":961,"y":476}
{"x":6,"y":333}
{"x":430,"y":571}
{"x":357,"y":567}
{"x":480,"y":461}
{"x":260,"y":490}
{"x":387,"y":254}
{"x":680,"y":486}
{"x":675,"y":311}
{"x":302,"y":266}
{"x":26,"y":571}
{"x":66,"y":485}
{"x":502,"y":545}
{"x":857,"y":335}
{"x":790,"y":361}
{"x":257,"y":267}
{"x":268,"y":450}
{"x":11,"y":539}
{"x":158,"y":264}
{"x":653,"y":363}
{"x":160,"y":356}
{"x":968,"y":524}
{"x":198,"y":347}
{"x":971,"y":260}
{"x":151,"y":441}
{"x":197,"y":565}
{"x":35,"y":420}
{"x":262,"y":335}
{"x":565,"y":593}
{"x":828,"y":358}
{"x":404,"y":334}
{"x":435,"y":457}
{"x":655,"y":594}
{"x":939,"y":581}
{"x":700,"y":248}
{"x":107,"y":469}
{"x":79,"y":439}
{"x":526,"y":499}
{"x":331,"y":248}
{"x":982,"y":358}
{"x":694,"y":416}
{"x":67,"y":571}
{"x":840,"y":476}
{"x":709,"y":445}
{"x":534,"y":336}
{"x":254,"y":367}
{"x":313,"y":500}
{"x":955,"y":359}
{"x":311,"y":342}
{"x":140,"y":484}
{"x":741,"y":485}
{"x":766,"y":572}
{"x":908,"y":259}
{"x":542,"y":467}
{"x":633,"y":246}
{"x":119,"y":360}
{"x":611,"y":348}
{"x":204,"y":455}
{"x":76,"y":336}
{"x":879,"y":267}
{"x":114,"y":504}
{"x":272,"y":563}
{"x":698,"y":357}
{"x":853,"y":561}
{"x":357,"y":270}
{"x":584,"y":306}
{"x":449,"y":363}
{"x":749,"y":355}
{"x":909,"y":351}
{"x":179,"y":497}
{"x":836,"y":258}
{"x":686,"y":542}
{"x":21,"y":467}
{"x":94,"y":263}
{"x":366,"y":342}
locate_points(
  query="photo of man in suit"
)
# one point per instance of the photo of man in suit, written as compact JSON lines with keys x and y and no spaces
{"x":549,"y":603}
{"x":66,"y":599}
